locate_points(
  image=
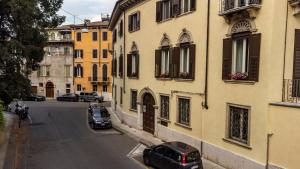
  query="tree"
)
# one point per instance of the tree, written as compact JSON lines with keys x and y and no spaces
{"x":23,"y":36}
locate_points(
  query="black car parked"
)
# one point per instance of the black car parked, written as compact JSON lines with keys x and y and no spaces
{"x":68,"y":97}
{"x":173,"y":155}
{"x":99,"y":117}
{"x":35,"y":97}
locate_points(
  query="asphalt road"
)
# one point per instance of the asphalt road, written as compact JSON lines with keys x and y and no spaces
{"x":60,"y":138}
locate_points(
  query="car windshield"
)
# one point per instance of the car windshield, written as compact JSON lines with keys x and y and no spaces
{"x":193,"y":156}
{"x":101,"y":113}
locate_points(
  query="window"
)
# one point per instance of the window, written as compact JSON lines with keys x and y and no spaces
{"x":134,"y":22}
{"x":133,"y":65}
{"x":95,"y":36}
{"x":68,"y":85}
{"x":121,"y":28}
{"x":67,"y":70}
{"x":78,"y":36}
{"x":95,"y":53}
{"x":238,"y":124}
{"x":184,"y":111}
{"x":188,"y":5}
{"x":78,"y":71}
{"x":121,"y":95}
{"x":39,"y":71}
{"x":121,"y":66}
{"x":241,"y":57}
{"x":166,"y":10}
{"x":164,"y":107}
{"x":79,"y":87}
{"x":48,"y":71}
{"x":165,"y":62}
{"x":184,"y":60}
{"x":104,"y":53}
{"x":104,"y":36}
{"x":41,"y":85}
{"x":95,"y":88}
{"x":115,"y":36}
{"x":104,"y":88}
{"x":114,"y":67}
{"x":78,"y":53}
{"x":133,"y":104}
{"x":66,"y":50}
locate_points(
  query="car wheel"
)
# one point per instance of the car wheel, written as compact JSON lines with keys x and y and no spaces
{"x":147,"y":161}
{"x":93,"y":125}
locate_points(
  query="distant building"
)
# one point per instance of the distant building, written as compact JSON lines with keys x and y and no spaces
{"x":92,"y":58}
{"x":54,"y":76}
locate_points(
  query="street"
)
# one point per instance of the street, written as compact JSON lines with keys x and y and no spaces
{"x":59,"y":137}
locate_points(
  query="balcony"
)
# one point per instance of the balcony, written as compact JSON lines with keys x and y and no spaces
{"x":243,"y":7}
{"x":291,"y":91}
{"x":99,"y":80}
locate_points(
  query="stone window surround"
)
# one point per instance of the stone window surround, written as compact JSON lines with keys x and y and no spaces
{"x":177,"y":112}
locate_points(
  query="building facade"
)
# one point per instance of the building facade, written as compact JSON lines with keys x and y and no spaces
{"x":54,"y":75}
{"x":220,"y":75}
{"x":92,"y":58}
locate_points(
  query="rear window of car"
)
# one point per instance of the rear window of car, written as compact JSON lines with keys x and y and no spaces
{"x":193,"y":156}
{"x":81,"y":93}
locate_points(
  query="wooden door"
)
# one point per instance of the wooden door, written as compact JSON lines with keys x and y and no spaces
{"x":34,"y":89}
{"x":148,"y":113}
{"x":50,"y":90}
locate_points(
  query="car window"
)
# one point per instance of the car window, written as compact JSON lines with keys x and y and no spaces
{"x":172,"y":154}
{"x":193,"y":156}
{"x":159,"y":149}
{"x":104,"y":113}
{"x":81,"y":93}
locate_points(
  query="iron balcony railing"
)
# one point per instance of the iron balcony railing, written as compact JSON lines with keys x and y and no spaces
{"x":99,"y":79}
{"x":291,"y":91}
{"x":231,"y":6}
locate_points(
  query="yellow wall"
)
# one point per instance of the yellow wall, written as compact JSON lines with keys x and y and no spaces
{"x":87,"y":45}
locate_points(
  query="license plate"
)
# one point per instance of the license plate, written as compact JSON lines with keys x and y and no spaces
{"x":102,"y":124}
{"x":194,"y":167}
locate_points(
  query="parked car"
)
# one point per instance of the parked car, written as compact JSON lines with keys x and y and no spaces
{"x":173,"y":155}
{"x":99,"y":117}
{"x":68,"y":97}
{"x":35,"y":97}
{"x":90,"y":97}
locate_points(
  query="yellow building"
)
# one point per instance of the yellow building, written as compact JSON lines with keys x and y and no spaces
{"x":92,"y":58}
{"x":222,"y":75}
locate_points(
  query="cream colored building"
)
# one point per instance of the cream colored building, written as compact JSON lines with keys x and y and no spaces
{"x":220,"y":75}
{"x":54,"y":76}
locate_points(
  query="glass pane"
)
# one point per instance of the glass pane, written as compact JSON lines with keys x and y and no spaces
{"x":239,"y":56}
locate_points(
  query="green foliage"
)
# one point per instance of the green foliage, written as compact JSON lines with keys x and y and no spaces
{"x":23,"y":37}
{"x":2,"y":122}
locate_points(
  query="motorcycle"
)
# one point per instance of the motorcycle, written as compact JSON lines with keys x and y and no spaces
{"x":22,"y":110}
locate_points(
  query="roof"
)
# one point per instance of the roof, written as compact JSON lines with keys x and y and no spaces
{"x":180,"y":147}
{"x":102,"y":24}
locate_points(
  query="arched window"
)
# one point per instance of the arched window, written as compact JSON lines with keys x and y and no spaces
{"x":133,"y":62}
{"x":95,"y":73}
{"x":241,"y":52}
{"x":163,"y":58}
{"x":104,"y":73}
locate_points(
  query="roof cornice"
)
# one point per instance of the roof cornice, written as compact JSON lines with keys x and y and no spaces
{"x":121,"y":6}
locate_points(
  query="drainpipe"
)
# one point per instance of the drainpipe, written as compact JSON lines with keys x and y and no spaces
{"x":124,"y":49}
{"x":268,"y":149}
{"x":284,"y":54}
{"x":205,"y":104}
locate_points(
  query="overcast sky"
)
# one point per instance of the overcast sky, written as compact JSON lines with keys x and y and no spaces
{"x":86,"y":9}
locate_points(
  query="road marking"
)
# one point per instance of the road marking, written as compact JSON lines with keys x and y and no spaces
{"x":136,"y":154}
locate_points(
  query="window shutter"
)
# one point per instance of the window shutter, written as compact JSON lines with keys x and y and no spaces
{"x":129,"y":65}
{"x":193,"y":5}
{"x":112,"y":67}
{"x":75,"y":72}
{"x":158,"y":11}
{"x":176,"y":62}
{"x":129,"y":23}
{"x":81,"y":53}
{"x":175,"y":7}
{"x":75,"y":53}
{"x":121,"y":66}
{"x":81,"y":71}
{"x":157,"y":63}
{"x":171,"y":62}
{"x":116,"y":64}
{"x":137,"y":64}
{"x":192,"y":49}
{"x":138,"y":20}
{"x":254,"y":52}
{"x":227,"y":59}
{"x":296,"y":69}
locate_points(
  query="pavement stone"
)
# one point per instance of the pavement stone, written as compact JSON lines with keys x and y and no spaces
{"x":148,"y":139}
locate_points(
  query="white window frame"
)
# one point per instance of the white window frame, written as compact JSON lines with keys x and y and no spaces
{"x":166,"y":9}
{"x":178,"y":112}
{"x":131,"y":100}
{"x":245,"y":58}
{"x":133,"y":63}
{"x":165,"y":61}
{"x":78,"y":72}
{"x":183,"y":57}
{"x":183,"y":6}
{"x":161,"y":110}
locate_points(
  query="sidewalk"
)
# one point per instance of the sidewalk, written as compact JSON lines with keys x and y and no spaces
{"x":3,"y":148}
{"x":147,"y":138}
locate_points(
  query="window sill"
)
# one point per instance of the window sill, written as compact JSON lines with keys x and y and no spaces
{"x":134,"y":30}
{"x":237,"y":143}
{"x":183,"y":80}
{"x":183,"y":14}
{"x":133,"y":110}
{"x":240,"y":82}
{"x":164,"y":78}
{"x":165,"y":20}
{"x":286,"y":104}
{"x":183,"y":125}
{"x":165,"y":120}
{"x":133,"y":78}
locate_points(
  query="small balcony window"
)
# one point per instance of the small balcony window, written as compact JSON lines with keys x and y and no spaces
{"x":233,"y":6}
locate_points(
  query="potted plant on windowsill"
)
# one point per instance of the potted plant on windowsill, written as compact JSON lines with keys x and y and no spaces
{"x":239,"y":76}
{"x":183,"y":75}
